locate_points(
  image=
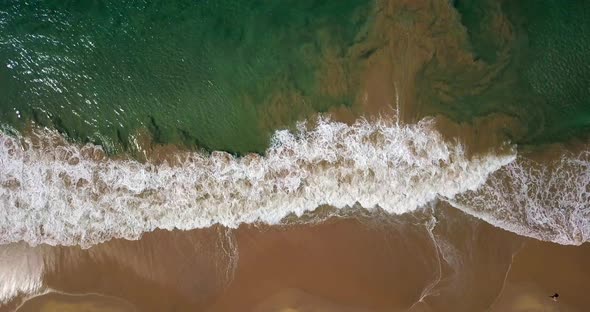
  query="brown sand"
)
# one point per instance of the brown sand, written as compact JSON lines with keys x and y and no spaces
{"x":76,"y":303}
{"x":374,"y":263}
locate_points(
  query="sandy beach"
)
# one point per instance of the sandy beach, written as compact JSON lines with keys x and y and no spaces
{"x":364,"y":263}
{"x":461,"y":120}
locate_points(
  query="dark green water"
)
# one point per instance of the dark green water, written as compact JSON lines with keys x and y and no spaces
{"x":189,"y":71}
{"x":223,"y":74}
{"x":537,"y":67}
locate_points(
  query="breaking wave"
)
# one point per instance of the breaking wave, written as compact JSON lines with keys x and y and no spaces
{"x":547,"y":201}
{"x":60,"y":194}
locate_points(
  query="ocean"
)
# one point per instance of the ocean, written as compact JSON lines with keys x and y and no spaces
{"x":232,"y":132}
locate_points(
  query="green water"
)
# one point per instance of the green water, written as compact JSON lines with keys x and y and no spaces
{"x":558,"y":68}
{"x":538,"y":73}
{"x":223,"y":74}
{"x":191,"y":72}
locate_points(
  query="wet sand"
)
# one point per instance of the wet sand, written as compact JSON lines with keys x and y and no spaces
{"x":62,"y":302}
{"x":440,"y":261}
{"x":363,"y":263}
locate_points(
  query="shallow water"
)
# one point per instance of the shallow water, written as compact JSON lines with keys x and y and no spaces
{"x":395,"y":142}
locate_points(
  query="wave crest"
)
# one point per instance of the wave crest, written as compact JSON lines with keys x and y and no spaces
{"x":60,"y":194}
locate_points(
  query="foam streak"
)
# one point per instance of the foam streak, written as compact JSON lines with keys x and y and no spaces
{"x":549,"y":201}
{"x":60,"y":195}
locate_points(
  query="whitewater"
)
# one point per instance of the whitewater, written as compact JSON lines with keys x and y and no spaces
{"x":59,"y":194}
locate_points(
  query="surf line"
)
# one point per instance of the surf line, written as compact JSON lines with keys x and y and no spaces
{"x":59,"y":195}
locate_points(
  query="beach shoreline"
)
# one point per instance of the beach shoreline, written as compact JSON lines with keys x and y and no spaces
{"x":355,"y":264}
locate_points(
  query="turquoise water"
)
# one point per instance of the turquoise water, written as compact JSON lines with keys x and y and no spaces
{"x":191,"y":72}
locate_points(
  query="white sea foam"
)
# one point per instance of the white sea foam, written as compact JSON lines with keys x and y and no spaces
{"x":56,"y":195}
{"x":546,"y":201}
